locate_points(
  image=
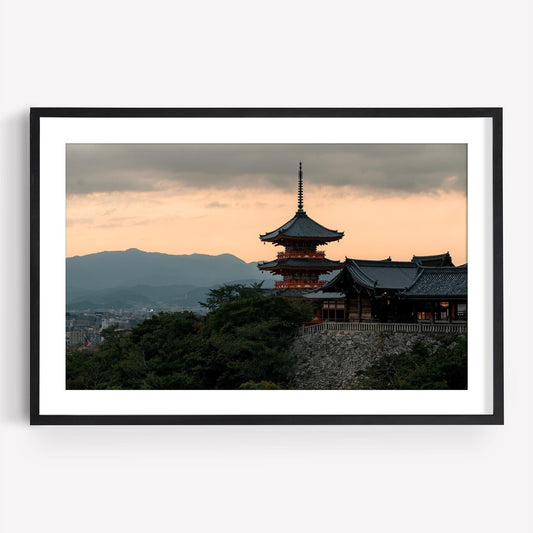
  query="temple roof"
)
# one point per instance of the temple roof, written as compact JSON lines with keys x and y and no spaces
{"x":300,"y":264}
{"x":382,"y":274}
{"x":439,"y":260}
{"x":442,"y":282}
{"x":409,"y":278}
{"x":300,"y":226}
{"x":318,"y":294}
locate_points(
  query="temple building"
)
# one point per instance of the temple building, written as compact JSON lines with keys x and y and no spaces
{"x":440,"y":260}
{"x":301,"y":264}
{"x":429,"y":288}
{"x":395,"y":291}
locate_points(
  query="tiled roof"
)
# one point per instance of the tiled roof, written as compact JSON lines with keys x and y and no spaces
{"x":433,"y":260}
{"x":300,"y":263}
{"x":334,"y":282}
{"x":382,"y":274}
{"x":411,"y":279}
{"x":288,"y":293}
{"x":302,"y":227}
{"x":441,"y":282}
{"x":321,"y":295}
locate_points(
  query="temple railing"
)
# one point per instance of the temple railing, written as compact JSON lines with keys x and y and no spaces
{"x":301,"y":254}
{"x":378,"y":326}
{"x":300,"y":284}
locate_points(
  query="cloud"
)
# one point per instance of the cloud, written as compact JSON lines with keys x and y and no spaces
{"x":383,"y":168}
{"x":217,"y":204}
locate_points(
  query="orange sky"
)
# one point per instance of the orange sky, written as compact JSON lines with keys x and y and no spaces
{"x":214,"y":221}
{"x":389,"y":199}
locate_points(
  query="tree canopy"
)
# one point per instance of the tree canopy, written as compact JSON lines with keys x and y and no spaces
{"x":241,"y":343}
{"x":439,"y":365}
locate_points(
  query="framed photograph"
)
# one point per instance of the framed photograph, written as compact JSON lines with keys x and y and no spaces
{"x":266,"y":266}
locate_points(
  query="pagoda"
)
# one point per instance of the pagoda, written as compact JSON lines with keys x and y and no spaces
{"x":301,"y":265}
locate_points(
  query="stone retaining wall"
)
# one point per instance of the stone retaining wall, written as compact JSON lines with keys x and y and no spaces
{"x":331,"y":359}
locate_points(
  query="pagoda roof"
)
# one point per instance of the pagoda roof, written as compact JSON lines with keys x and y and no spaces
{"x":439,"y":260}
{"x":303,"y":227}
{"x":291,"y":293}
{"x":300,"y":264}
{"x":440,"y":282}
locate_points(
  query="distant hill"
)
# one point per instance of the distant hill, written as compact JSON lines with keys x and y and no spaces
{"x":133,"y":278}
{"x":134,"y":267}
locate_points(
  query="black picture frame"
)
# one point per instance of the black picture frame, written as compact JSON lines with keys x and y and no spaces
{"x":38,"y":418}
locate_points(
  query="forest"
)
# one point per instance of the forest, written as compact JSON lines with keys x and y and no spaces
{"x":241,"y":343}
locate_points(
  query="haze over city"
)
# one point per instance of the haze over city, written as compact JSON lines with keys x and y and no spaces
{"x":389,"y":200}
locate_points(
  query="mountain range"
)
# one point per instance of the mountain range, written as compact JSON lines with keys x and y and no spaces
{"x":133,"y":278}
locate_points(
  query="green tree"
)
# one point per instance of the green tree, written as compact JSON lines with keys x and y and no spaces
{"x":247,"y":340}
{"x":231,"y":293}
{"x":116,"y":363}
{"x":438,"y":365}
{"x":243,"y":339}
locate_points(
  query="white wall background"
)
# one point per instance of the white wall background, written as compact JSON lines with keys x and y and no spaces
{"x":231,"y":53}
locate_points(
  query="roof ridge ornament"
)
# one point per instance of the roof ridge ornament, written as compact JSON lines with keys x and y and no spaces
{"x":300,"y":190}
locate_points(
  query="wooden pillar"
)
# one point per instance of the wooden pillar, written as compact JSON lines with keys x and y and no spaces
{"x":346,"y":308}
{"x":433,"y":313}
{"x":360,"y":308}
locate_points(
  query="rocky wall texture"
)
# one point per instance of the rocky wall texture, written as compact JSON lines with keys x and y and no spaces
{"x":331,"y":359}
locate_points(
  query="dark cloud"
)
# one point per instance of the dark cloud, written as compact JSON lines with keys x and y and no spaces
{"x":383,"y":168}
{"x":216,"y":204}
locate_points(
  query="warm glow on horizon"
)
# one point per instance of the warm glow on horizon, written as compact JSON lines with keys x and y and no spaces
{"x":389,"y":199}
{"x":213,"y":221}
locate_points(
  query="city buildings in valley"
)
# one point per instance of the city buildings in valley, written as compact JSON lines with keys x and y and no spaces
{"x":87,"y":329}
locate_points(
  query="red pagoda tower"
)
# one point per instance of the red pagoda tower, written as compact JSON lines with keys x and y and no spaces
{"x":301,"y":265}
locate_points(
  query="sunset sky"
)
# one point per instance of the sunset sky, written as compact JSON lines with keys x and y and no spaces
{"x":389,"y":199}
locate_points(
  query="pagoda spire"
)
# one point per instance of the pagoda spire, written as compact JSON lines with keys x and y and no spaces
{"x":301,"y":264}
{"x":300,"y":190}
